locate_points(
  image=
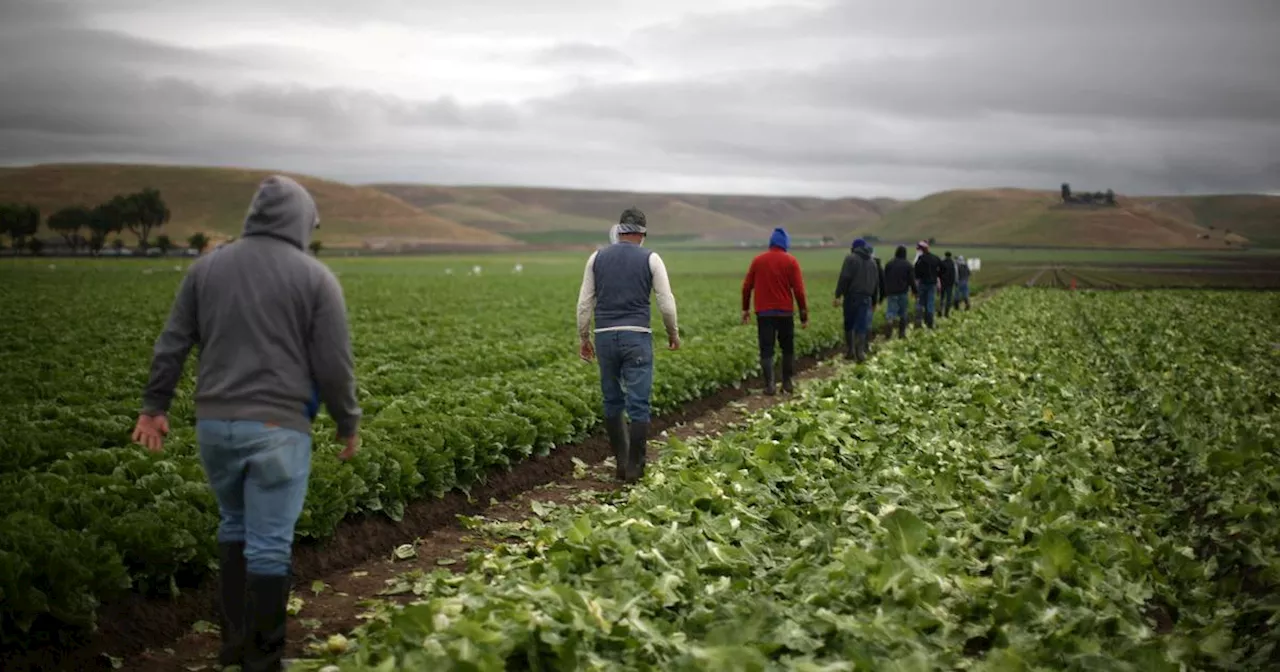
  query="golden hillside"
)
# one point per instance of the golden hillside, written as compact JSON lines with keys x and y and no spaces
{"x":214,"y":201}
{"x":1039,"y":219}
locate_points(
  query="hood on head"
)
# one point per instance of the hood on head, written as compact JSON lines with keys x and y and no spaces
{"x":901,"y":252}
{"x":858,"y":244}
{"x":282,"y":209}
{"x":779,"y":238}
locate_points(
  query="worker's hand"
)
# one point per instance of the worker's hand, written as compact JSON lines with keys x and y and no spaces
{"x":746,"y":317}
{"x":352,"y":446}
{"x":150,"y":431}
{"x":586,"y":351}
{"x":673,"y":342}
{"x":836,"y":303}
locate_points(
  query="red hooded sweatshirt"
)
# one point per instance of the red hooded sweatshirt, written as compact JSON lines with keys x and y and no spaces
{"x":775,"y":277}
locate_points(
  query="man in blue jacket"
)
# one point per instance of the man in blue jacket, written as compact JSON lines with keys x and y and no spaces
{"x":271,"y":325}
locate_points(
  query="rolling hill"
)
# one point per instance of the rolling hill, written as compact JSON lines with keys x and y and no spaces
{"x":214,"y":201}
{"x":524,"y":210}
{"x":1252,"y":216}
{"x":1038,"y":219}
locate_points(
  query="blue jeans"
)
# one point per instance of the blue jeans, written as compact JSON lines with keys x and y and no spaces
{"x":626,"y":373}
{"x":948,"y":296}
{"x":897,"y":307}
{"x":964,"y":292}
{"x":857,"y":313}
{"x":924,"y":302}
{"x":258,"y":473}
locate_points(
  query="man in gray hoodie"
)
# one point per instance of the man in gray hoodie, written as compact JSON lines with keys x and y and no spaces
{"x":271,"y":325}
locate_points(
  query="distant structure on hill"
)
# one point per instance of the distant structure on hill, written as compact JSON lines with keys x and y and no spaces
{"x":1096,"y":198}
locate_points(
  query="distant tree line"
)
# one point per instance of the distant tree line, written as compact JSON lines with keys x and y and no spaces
{"x":84,"y":228}
{"x":1107,"y":197}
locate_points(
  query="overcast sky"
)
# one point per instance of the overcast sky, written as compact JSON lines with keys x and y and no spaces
{"x":870,"y":98}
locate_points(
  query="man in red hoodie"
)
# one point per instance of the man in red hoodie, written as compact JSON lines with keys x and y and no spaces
{"x":775,"y":278}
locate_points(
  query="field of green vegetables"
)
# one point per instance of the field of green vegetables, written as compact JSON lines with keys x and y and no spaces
{"x":459,"y":374}
{"x":1057,"y":481}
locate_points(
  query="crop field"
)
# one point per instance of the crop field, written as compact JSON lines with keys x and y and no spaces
{"x":459,"y":374}
{"x":1060,"y":481}
{"x":1053,"y":480}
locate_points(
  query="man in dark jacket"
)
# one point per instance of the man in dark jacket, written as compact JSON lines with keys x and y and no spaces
{"x":948,"y":278}
{"x":616,"y":286}
{"x":899,"y":279}
{"x":775,"y":278}
{"x":271,"y":325}
{"x":879,"y":297}
{"x":962,"y":283}
{"x":928,"y":268}
{"x":858,"y":285}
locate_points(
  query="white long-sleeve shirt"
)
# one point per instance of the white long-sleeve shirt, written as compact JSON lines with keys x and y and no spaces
{"x":661,"y":288}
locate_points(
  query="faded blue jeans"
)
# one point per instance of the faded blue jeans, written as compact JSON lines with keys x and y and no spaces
{"x":626,"y":373}
{"x":857,"y":313}
{"x":924,"y":301}
{"x":258,"y":473}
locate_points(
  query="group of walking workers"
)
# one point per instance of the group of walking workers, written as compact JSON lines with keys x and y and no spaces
{"x":864,"y":284}
{"x":269,"y":322}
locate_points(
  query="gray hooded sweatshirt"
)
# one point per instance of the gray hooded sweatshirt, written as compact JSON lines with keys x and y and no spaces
{"x":270,"y":322}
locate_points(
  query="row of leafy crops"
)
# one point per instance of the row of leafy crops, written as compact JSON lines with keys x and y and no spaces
{"x":1058,"y":481}
{"x":459,"y":373}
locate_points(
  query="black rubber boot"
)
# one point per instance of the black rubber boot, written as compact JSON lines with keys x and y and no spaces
{"x":232,"y":591}
{"x":267,"y":608}
{"x":849,"y":349}
{"x":617,"y":428}
{"x":860,"y":347}
{"x":928,"y":320}
{"x":766,"y":365}
{"x":966,"y":304}
{"x":788,"y":372}
{"x":902,"y":328}
{"x":639,"y":442}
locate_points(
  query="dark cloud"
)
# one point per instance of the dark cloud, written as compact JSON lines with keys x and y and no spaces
{"x":852,"y":97}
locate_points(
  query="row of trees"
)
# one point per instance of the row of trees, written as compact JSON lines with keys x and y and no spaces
{"x":1107,"y":197}
{"x":140,"y":213}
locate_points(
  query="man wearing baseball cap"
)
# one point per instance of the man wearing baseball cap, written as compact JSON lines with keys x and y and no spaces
{"x":616,"y":287}
{"x":928,"y":269}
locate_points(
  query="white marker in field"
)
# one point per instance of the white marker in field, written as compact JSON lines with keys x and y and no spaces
{"x":448,"y":271}
{"x":475,"y":270}
{"x":519,"y":268}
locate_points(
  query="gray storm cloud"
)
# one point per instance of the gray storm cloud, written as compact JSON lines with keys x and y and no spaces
{"x":842,"y":99}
